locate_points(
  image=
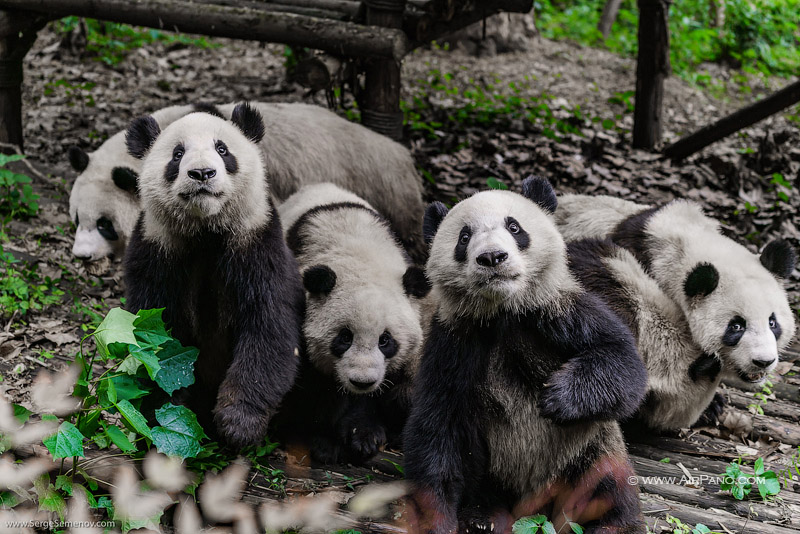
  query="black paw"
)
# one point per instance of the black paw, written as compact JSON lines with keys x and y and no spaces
{"x":240,"y":426}
{"x":476,"y":525}
{"x":557,"y":402}
{"x":705,"y":367}
{"x":366,"y":441}
{"x":712,"y":413}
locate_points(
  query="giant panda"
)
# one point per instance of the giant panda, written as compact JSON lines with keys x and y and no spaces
{"x":103,"y":202}
{"x":681,"y":378}
{"x":209,"y":248}
{"x":303,"y":144}
{"x":362,"y":327}
{"x":733,"y":300}
{"x":523,"y":378}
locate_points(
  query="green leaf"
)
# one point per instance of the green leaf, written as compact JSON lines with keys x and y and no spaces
{"x":396,"y":466}
{"x":119,"y":438}
{"x":576,"y":528}
{"x":64,"y":483}
{"x":494,"y":183}
{"x":129,"y":365}
{"x":49,"y":499}
{"x":117,"y":327}
{"x":89,"y":422}
{"x":700,"y":528}
{"x":759,"y":466}
{"x":528,"y":525}
{"x":771,"y":484}
{"x":180,"y":433}
{"x":548,"y":528}
{"x":68,"y":441}
{"x":150,"y":321}
{"x":177,"y":366}
{"x":134,"y":418}
{"x":21,"y":413}
{"x":148,"y":359}
{"x":126,"y":387}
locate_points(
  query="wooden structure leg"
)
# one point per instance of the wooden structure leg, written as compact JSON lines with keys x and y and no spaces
{"x":17,"y":35}
{"x":651,"y":69}
{"x":380,"y":101}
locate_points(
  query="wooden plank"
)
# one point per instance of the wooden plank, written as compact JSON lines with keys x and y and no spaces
{"x":774,"y":407}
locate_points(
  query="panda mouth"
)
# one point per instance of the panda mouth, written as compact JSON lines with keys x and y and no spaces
{"x":203,"y":192}
{"x":752,"y":378}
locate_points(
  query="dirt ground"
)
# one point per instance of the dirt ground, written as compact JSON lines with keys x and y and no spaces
{"x":724,"y":177}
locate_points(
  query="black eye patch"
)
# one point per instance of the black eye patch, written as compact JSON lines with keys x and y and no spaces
{"x":174,"y":165}
{"x":231,"y":165}
{"x":518,"y":233}
{"x":734,"y":332}
{"x":463,"y":241}
{"x":388,"y":344}
{"x":106,"y":229}
{"x":342,"y":342}
{"x":77,"y":223}
{"x":775,"y":326}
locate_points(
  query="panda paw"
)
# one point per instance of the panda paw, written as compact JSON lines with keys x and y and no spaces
{"x":238,"y":423}
{"x":367,"y":440}
{"x":713,"y":412}
{"x":557,"y":400}
{"x":325,"y":450}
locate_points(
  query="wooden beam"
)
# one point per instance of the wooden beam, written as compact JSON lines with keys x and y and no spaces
{"x":734,"y":122}
{"x":652,"y":67}
{"x":335,"y":37}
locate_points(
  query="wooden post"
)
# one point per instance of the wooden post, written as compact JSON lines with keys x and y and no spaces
{"x":734,"y":122}
{"x":380,"y":102}
{"x":17,"y":35}
{"x":652,"y":68}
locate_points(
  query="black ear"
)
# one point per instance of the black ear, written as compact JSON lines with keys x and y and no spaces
{"x":539,"y":191}
{"x":415,"y":283}
{"x":78,"y":158}
{"x":249,"y":121}
{"x":434,"y":214}
{"x":319,"y":279}
{"x":779,"y":258}
{"x":702,"y":281}
{"x":126,"y":179}
{"x":211,"y":109}
{"x":141,"y":135}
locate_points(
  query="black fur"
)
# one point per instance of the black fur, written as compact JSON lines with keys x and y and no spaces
{"x":106,"y":228}
{"x":211,"y":109}
{"x":630,"y":234}
{"x":126,"y":179}
{"x":711,"y":415}
{"x":540,"y":191}
{"x":705,"y":367}
{"x":319,"y":280}
{"x":580,"y":368}
{"x":776,"y":329}
{"x":141,"y":135}
{"x":415,"y":283}
{"x":388,"y":345}
{"x":231,"y":165}
{"x":78,"y":158}
{"x":521,"y":237}
{"x":249,"y":121}
{"x":434,"y":214}
{"x":702,"y":281}
{"x":342,"y":342}
{"x":241,"y":306}
{"x":460,"y":252}
{"x":779,"y":258}
{"x":294,"y":238}
{"x":173,"y":168}
{"x":732,"y":335}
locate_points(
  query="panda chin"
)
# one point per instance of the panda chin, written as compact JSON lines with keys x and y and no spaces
{"x":752,"y":379}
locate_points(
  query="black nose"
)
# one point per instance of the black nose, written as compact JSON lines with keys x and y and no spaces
{"x":363,"y":385}
{"x":83,"y":256}
{"x":492,"y":259}
{"x":201,"y":175}
{"x":763,"y":363}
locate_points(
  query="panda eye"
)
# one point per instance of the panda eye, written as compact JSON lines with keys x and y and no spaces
{"x":772,"y":322}
{"x":342,"y":342}
{"x":76,"y":220}
{"x":106,"y":228}
{"x":384,"y":340}
{"x":513,"y":228}
{"x":177,"y":154}
{"x":737,"y":324}
{"x":464,"y":238}
{"x":222,"y":150}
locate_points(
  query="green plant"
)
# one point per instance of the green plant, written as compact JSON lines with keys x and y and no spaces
{"x":678,"y":527}
{"x":22,"y":288}
{"x":74,"y":92}
{"x":540,"y":524}
{"x":782,"y":187}
{"x":762,"y":397}
{"x":17,"y":198}
{"x":494,"y":183}
{"x":740,"y":484}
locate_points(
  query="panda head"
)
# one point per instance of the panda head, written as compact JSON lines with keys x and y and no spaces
{"x":104,"y":211}
{"x":202,"y":172}
{"x":359,"y":332}
{"x":496,"y":250}
{"x":738,"y":308}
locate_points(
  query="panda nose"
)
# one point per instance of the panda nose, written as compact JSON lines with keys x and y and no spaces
{"x":763,"y":363}
{"x":201,"y":175}
{"x":83,"y":257}
{"x":362,"y":385}
{"x":491,"y":259}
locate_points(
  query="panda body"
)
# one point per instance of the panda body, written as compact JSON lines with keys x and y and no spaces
{"x":592,"y":217}
{"x":304,"y":144}
{"x":523,"y":377}
{"x":362,"y":328}
{"x":209,"y":248}
{"x":682,"y":379}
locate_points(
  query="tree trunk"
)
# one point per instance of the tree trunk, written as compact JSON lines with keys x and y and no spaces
{"x":608,"y":17}
{"x":652,"y":68}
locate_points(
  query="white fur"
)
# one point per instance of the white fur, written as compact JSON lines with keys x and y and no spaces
{"x":368,"y":297}
{"x":304,"y":144}
{"x":537,"y":277}
{"x":592,"y":217}
{"x":236,"y":204}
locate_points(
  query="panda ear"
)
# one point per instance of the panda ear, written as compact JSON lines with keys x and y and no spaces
{"x":415,"y":283}
{"x":779,"y":258}
{"x":434,"y":214}
{"x":206,"y":107}
{"x":141,"y":135}
{"x":126,"y":179}
{"x":319,"y":280}
{"x":539,"y":191}
{"x":702,"y":281}
{"x":78,"y":158}
{"x":249,"y":121}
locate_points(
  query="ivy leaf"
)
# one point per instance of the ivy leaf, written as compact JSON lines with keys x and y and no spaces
{"x":117,"y":327}
{"x":134,"y":418}
{"x":125,"y":387}
{"x":150,"y":329}
{"x":179,"y":433}
{"x":68,"y":441}
{"x":119,"y":438}
{"x":148,"y":359}
{"x":129,"y":365}
{"x":177,"y":366}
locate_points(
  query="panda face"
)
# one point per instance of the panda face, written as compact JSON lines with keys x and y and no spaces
{"x":496,"y":250}
{"x":97,"y":238}
{"x":361,"y":333}
{"x":202,"y":172}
